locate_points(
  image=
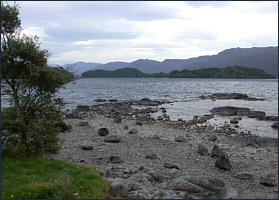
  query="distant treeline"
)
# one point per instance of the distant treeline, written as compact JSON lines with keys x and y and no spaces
{"x":231,"y":72}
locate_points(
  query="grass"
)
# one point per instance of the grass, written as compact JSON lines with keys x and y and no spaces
{"x":39,"y":178}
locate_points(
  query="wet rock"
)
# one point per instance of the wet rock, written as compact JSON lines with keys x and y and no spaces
{"x":180,"y":139}
{"x":115,"y":159}
{"x":83,"y":124}
{"x":112,"y":138}
{"x":83,"y":107}
{"x":103,"y":132}
{"x":256,"y":114}
{"x":234,"y":121}
{"x":244,"y":176}
{"x":228,"y":110}
{"x":267,"y":181}
{"x":251,"y":140}
{"x":172,"y":165}
{"x":275,"y":125}
{"x":223,"y":162}
{"x":86,"y":147}
{"x":216,"y":151}
{"x":151,"y":155}
{"x":202,"y":150}
{"x":133,"y":131}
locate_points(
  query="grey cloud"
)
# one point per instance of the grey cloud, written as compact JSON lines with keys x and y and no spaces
{"x":215,"y":4}
{"x":79,"y":33}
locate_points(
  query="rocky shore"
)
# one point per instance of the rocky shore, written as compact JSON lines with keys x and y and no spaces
{"x":163,"y":159}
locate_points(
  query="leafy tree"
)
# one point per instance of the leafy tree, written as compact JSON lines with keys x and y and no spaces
{"x":29,"y":125}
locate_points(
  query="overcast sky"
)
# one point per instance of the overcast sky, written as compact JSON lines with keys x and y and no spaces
{"x":108,"y":31}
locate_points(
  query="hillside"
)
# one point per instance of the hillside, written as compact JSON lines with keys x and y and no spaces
{"x":231,"y":72}
{"x":265,"y":58}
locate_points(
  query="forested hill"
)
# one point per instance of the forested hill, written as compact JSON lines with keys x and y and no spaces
{"x":265,"y":58}
{"x":232,"y":72}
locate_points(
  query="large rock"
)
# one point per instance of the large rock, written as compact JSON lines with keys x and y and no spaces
{"x":201,"y":187}
{"x":202,"y":150}
{"x":251,"y":140}
{"x":275,"y":125}
{"x":121,"y":187}
{"x":256,"y":114}
{"x":228,"y":110}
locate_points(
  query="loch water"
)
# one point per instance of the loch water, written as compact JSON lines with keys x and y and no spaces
{"x":183,"y":94}
{"x":184,"y":97}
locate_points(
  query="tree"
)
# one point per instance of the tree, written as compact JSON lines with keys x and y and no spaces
{"x":29,"y":125}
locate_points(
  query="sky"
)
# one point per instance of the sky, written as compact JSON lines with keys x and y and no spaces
{"x":109,"y":31}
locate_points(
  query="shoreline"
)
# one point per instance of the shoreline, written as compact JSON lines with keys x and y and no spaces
{"x":145,"y":154}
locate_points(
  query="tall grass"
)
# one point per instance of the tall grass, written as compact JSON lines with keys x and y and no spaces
{"x":40,"y":178}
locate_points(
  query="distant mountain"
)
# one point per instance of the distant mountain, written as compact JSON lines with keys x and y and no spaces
{"x":265,"y":58}
{"x":79,"y":67}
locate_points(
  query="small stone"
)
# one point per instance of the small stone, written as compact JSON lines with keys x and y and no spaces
{"x":180,"y":139}
{"x":223,"y":162}
{"x":83,"y":124}
{"x":133,"y":131}
{"x":115,"y":159}
{"x":212,"y":137}
{"x":234,"y":121}
{"x":202,"y":150}
{"x":275,"y":125}
{"x":151,"y":155}
{"x":267,"y":181}
{"x":156,"y":137}
{"x":117,"y":120}
{"x":126,"y":128}
{"x":103,"y":131}
{"x":139,"y":123}
{"x":112,"y":138}
{"x":86,"y":147}
{"x":215,"y":152}
{"x":244,"y":176}
{"x":172,"y":165}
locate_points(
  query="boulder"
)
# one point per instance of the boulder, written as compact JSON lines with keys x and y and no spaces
{"x":251,"y":140}
{"x":228,"y":110}
{"x":202,"y":150}
{"x":112,"y":138}
{"x":201,"y":187}
{"x":103,"y":132}
{"x":223,"y":162}
{"x":121,"y":187}
{"x":256,"y":114}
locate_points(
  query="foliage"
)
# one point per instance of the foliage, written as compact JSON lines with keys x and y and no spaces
{"x":232,"y":72}
{"x":29,"y":123}
{"x":39,"y":178}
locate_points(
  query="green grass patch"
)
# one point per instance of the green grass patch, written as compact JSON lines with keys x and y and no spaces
{"x":40,"y":178}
